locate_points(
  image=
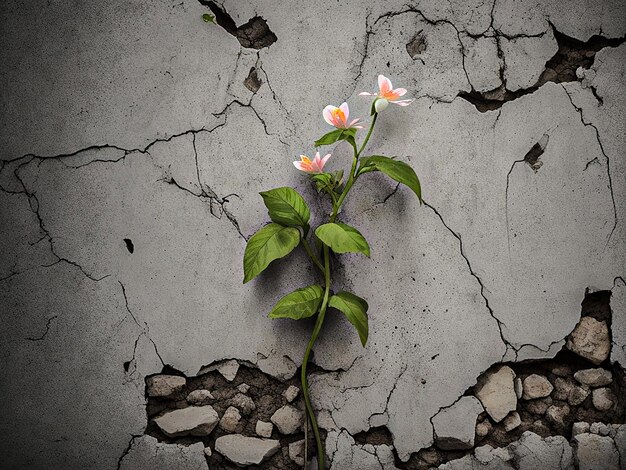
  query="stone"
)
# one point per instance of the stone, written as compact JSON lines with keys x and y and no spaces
{"x":532,"y":452}
{"x":291,"y":393}
{"x":483,"y":429}
{"x":486,"y":454}
{"x":164,"y":386}
{"x":595,"y":452}
{"x":296,"y":452}
{"x":594,"y":377}
{"x":590,"y":339}
{"x":580,"y":428}
{"x":557,"y":413}
{"x":430,"y":456}
{"x":208,"y":452}
{"x":577,"y":395}
{"x":230,"y":419}
{"x":600,"y":428}
{"x":243,"y":388}
{"x":200,"y":397}
{"x":244,"y":403}
{"x":562,"y":370}
{"x":562,"y":388}
{"x":512,"y":421}
{"x":540,"y":406}
{"x":536,"y":386}
{"x":191,"y":421}
{"x":496,"y":392}
{"x":519,"y":389}
{"x":454,"y":427}
{"x":287,"y":419}
{"x":603,"y":399}
{"x":228,"y":369}
{"x":245,"y":451}
{"x":264,"y":429}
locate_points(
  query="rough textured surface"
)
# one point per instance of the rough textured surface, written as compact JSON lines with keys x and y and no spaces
{"x":454,"y":426}
{"x":127,"y":193}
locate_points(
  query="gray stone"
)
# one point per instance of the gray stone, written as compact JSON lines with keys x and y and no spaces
{"x":590,"y":339}
{"x":594,"y":377}
{"x":484,"y":428}
{"x":580,"y":428}
{"x":229,"y":369}
{"x":200,"y":397}
{"x":244,"y":403}
{"x":291,"y":393}
{"x":578,"y":395}
{"x":603,"y":399}
{"x":558,"y":413}
{"x":287,"y":419}
{"x":595,"y":452}
{"x":562,"y":388}
{"x":536,"y":386}
{"x":519,"y":388}
{"x":600,"y":428}
{"x":244,"y":451}
{"x":164,"y":386}
{"x":208,"y":452}
{"x":243,"y":388}
{"x":296,"y":452}
{"x":562,"y":370}
{"x":532,"y":452}
{"x":496,"y":392}
{"x":264,"y":429}
{"x":191,"y":421}
{"x":230,"y":419}
{"x":455,"y":426}
{"x":512,"y":421}
{"x":539,"y":406}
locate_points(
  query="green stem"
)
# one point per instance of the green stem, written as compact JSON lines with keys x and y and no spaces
{"x":322,"y":313}
{"x":307,"y":248}
{"x":307,"y":354}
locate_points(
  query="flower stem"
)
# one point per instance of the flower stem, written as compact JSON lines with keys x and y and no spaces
{"x":308,"y":250}
{"x":322,"y":313}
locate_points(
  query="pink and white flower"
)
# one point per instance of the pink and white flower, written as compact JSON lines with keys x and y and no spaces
{"x":312,"y":166}
{"x":387,"y":94}
{"x":339,"y":117}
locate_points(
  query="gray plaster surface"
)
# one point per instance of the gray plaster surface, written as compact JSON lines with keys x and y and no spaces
{"x":130,"y":120}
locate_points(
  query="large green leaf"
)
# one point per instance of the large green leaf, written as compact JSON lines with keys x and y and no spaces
{"x":355,"y":310}
{"x":301,"y":303}
{"x":271,"y":242}
{"x":395,"y":169}
{"x":287,"y":207}
{"x":342,"y":238}
{"x":337,"y":134}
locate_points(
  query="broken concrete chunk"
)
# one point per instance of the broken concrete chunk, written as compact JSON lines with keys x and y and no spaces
{"x":594,"y":377}
{"x":264,"y":429}
{"x":485,"y":454}
{"x":512,"y":421}
{"x":230,"y":420}
{"x":595,"y":452}
{"x":536,"y":386}
{"x":296,"y":452}
{"x":191,"y":421}
{"x":244,"y":403}
{"x":590,"y":339}
{"x":228,"y":369}
{"x":603,"y":399}
{"x":579,"y":428}
{"x":496,"y":392}
{"x":379,"y":419}
{"x":164,"y":386}
{"x":244,"y":451}
{"x":291,"y":393}
{"x":532,"y":452}
{"x":287,"y":419}
{"x":200,"y":397}
{"x":600,"y":429}
{"x":455,"y":426}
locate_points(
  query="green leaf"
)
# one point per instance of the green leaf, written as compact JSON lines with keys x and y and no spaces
{"x":337,"y":134}
{"x":323,"y":181}
{"x":395,"y":169}
{"x":287,"y":207}
{"x":342,"y":238}
{"x":301,"y":303}
{"x":270,"y":243}
{"x":355,"y":310}
{"x":208,"y":18}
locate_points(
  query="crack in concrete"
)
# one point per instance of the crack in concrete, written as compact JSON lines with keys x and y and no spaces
{"x":45,"y":333}
{"x":473,"y":273}
{"x":608,"y":162}
{"x":127,"y":449}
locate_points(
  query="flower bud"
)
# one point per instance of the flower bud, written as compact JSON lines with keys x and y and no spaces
{"x":380,"y":104}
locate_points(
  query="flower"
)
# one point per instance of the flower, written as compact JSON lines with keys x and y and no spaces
{"x":312,"y":166}
{"x":387,"y":94}
{"x":338,"y":117}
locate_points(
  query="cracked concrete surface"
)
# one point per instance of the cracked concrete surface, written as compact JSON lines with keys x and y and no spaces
{"x":138,"y":121}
